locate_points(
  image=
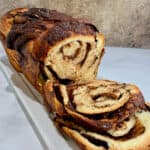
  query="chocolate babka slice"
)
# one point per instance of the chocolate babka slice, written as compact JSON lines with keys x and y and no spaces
{"x":100,"y":114}
{"x":46,"y":44}
{"x":98,"y":105}
{"x":137,"y":138}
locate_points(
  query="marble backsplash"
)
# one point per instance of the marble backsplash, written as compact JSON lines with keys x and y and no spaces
{"x":124,"y":23}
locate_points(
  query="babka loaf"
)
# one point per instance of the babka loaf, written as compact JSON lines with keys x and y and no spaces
{"x":46,"y":44}
{"x":60,"y":56}
{"x":100,"y":114}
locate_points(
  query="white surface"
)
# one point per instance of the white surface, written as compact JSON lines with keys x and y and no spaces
{"x":125,"y":65}
{"x":15,"y":130}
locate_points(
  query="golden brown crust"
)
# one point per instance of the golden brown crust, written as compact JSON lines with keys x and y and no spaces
{"x":14,"y":58}
{"x":45,"y":26}
{"x":6,"y":23}
{"x":51,"y":102}
{"x":83,"y":143}
{"x":7,"y":20}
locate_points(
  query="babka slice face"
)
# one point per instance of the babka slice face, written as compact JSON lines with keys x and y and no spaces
{"x":136,"y":138}
{"x":103,"y":96}
{"x":125,"y":127}
{"x":108,"y":116}
{"x":49,"y":44}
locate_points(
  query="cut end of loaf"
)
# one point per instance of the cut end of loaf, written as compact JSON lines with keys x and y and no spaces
{"x":120,"y":121}
{"x":76,"y":58}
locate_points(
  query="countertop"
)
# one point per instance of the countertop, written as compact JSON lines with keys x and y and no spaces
{"x":15,"y":130}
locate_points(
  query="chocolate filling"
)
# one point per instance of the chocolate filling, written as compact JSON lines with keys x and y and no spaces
{"x":61,"y":81}
{"x":136,"y":131}
{"x":58,"y":94}
{"x":88,"y":47}
{"x":96,"y":142}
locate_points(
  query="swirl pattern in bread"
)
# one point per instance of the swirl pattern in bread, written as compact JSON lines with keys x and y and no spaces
{"x":99,"y":105}
{"x":46,"y":44}
{"x":101,"y":126}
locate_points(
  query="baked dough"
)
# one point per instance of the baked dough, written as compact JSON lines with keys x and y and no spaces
{"x":60,"y":56}
{"x":136,"y":139}
{"x":116,"y":103}
{"x":46,"y":44}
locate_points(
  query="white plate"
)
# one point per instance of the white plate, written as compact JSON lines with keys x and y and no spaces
{"x":125,"y":65}
{"x":35,"y":112}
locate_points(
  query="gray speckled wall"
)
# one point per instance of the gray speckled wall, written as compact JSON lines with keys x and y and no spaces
{"x":123,"y":22}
